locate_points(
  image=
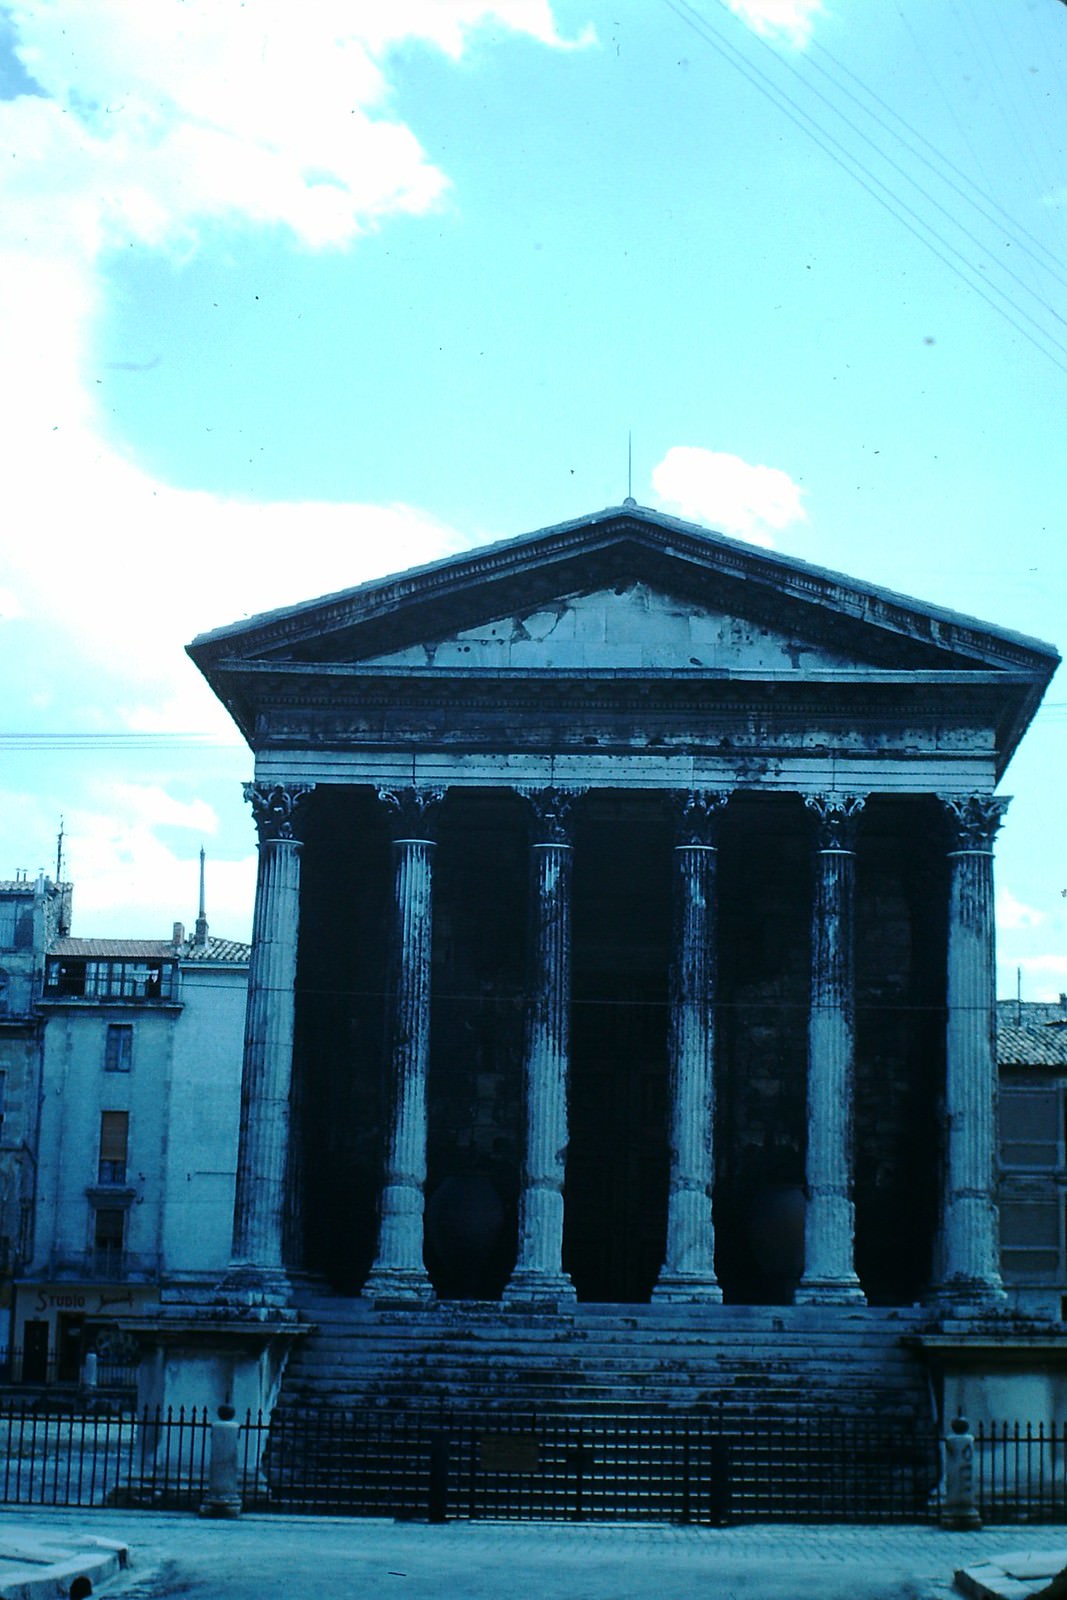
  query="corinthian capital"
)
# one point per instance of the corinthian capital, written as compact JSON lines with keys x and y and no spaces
{"x":973,"y":819}
{"x":551,"y":810}
{"x":836,"y":819}
{"x":412,"y":812}
{"x":696,"y":814}
{"x":275,"y":808}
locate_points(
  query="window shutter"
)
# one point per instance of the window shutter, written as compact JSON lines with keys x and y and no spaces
{"x":114,"y":1135}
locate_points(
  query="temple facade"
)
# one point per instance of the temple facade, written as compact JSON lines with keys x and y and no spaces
{"x":623,"y":931}
{"x":621,"y":999}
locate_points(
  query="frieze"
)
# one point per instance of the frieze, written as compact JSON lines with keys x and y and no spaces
{"x":275,"y":808}
{"x":836,"y":819}
{"x":973,"y":819}
{"x":413,"y":812}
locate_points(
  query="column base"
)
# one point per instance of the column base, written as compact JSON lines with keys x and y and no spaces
{"x":247,"y":1285}
{"x":410,"y":1285}
{"x":829,"y":1292}
{"x":529,"y":1286}
{"x":677,"y":1288}
{"x":967,"y":1298}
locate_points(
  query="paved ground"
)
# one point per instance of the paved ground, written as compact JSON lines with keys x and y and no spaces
{"x":331,"y":1558}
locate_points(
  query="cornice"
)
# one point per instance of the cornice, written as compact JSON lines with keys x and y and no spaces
{"x":714,"y":555}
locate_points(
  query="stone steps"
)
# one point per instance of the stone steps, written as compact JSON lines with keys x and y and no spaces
{"x":797,"y":1361}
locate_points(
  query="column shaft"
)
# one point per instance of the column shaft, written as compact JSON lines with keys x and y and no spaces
{"x":829,"y":1230}
{"x":688,"y":1271}
{"x":266,"y":1078}
{"x":538,"y":1273}
{"x":398,"y":1271}
{"x":969,"y":1271}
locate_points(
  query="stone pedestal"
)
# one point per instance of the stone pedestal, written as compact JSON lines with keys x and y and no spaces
{"x":257,"y":1273}
{"x":538,"y":1275}
{"x":688,"y":1271}
{"x":968,"y":1274}
{"x":829,"y":1228}
{"x":398,"y":1272}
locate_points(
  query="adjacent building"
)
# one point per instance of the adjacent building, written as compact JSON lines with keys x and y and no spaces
{"x":126,"y":1054}
{"x":1032,"y":1052}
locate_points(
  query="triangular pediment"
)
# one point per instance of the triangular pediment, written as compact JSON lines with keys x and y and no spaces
{"x":626,"y":591}
{"x":626,"y":627}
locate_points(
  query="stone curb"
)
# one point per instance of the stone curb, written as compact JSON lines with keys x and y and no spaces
{"x":1021,"y":1575}
{"x":99,"y":1561}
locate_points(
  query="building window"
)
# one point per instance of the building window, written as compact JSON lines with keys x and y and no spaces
{"x":109,"y":1227}
{"x":114,"y":1138}
{"x":74,"y":977}
{"x":1031,"y":1236}
{"x":118,"y":1051}
{"x":1031,"y":1126}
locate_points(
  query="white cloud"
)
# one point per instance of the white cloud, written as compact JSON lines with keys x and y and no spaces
{"x":1013,"y":914}
{"x":789,"y":20}
{"x":160,"y":115}
{"x":155,"y":119}
{"x":754,"y":503}
{"x":1044,"y":977}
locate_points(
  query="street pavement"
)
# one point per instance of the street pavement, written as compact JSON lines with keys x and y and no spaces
{"x":330,"y":1558}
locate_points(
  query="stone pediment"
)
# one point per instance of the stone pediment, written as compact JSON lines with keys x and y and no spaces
{"x":624,"y":594}
{"x":620,"y":585}
{"x":627,"y":627}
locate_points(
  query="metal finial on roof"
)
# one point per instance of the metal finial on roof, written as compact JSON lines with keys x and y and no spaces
{"x":200,"y":935}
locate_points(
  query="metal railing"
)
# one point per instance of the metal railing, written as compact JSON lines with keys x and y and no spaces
{"x":33,"y":1369}
{"x":687,"y":1467}
{"x":1021,"y":1471}
{"x":705,"y":1469}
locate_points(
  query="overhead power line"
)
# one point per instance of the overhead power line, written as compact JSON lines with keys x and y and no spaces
{"x":852,"y":161}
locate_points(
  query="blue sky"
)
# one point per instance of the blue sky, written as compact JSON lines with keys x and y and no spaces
{"x":292,"y":299}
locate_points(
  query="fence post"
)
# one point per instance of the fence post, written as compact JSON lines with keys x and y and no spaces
{"x":89,"y":1371}
{"x":437,"y":1508}
{"x":223,"y":1495}
{"x":959,"y":1506}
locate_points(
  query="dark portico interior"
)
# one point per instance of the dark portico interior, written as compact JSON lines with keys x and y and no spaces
{"x":617,"y":1170}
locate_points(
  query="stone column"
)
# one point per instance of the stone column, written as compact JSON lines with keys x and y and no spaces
{"x":266,"y":1078}
{"x":538,"y":1273}
{"x":968,"y":1274}
{"x":688,"y":1271}
{"x":829,"y":1228}
{"x":398,"y":1272}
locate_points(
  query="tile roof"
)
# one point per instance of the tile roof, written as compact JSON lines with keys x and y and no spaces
{"x":216,"y":950}
{"x":114,"y":949}
{"x":151,"y":950}
{"x":1031,"y":1033}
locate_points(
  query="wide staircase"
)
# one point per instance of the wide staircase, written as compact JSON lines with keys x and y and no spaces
{"x":795,"y":1362}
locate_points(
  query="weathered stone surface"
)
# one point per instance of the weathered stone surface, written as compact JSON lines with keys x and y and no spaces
{"x":626,"y":655}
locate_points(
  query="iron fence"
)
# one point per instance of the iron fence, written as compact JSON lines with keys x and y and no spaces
{"x":702,"y":1468}
{"x":1021,"y":1471}
{"x":56,"y":1457}
{"x":708,"y":1469}
{"x":34,"y":1369}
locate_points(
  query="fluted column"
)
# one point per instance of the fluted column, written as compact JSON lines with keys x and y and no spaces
{"x":538,"y":1273}
{"x":829,"y":1229}
{"x":968,"y":1273}
{"x":398,"y":1272}
{"x":688,"y":1271}
{"x":267,"y":1070}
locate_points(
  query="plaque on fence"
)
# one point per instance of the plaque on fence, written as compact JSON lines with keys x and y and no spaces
{"x":508,"y":1452}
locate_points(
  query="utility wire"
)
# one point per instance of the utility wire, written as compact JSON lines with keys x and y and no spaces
{"x":879,"y":191}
